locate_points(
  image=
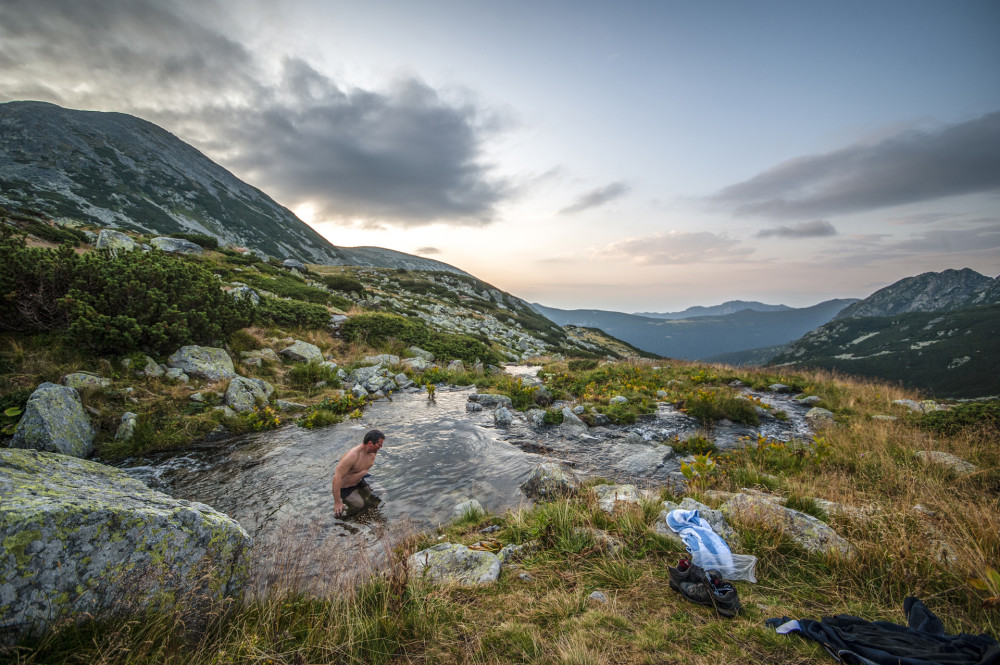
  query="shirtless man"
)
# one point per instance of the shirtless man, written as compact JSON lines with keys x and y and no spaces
{"x":352,"y":469}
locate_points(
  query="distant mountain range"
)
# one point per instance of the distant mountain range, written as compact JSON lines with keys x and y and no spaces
{"x":936,"y":331}
{"x":118,"y":171}
{"x":699,"y":337}
{"x":729,"y":307}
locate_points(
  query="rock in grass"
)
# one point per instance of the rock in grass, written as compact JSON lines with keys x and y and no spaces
{"x":244,"y":394}
{"x":609,"y":496}
{"x":303,"y":352}
{"x":115,"y":241}
{"x":176,"y":245}
{"x":126,"y":429}
{"x":819,"y":418}
{"x":810,"y":533}
{"x":81,"y":539}
{"x":571,"y":421}
{"x":54,"y":421}
{"x":470,"y":506}
{"x":450,"y":563}
{"x":203,"y":362}
{"x":81,"y":380}
{"x":549,"y":481}
{"x":953,"y":462}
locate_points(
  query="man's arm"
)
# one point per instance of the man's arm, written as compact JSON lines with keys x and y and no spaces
{"x":343,"y":467}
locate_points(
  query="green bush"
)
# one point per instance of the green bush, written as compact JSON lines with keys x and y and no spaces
{"x":553,"y":417}
{"x":712,"y":405}
{"x":304,"y":375}
{"x":291,"y":313}
{"x":695,"y":445}
{"x":379,"y":329}
{"x":200,"y":239}
{"x":961,"y":417}
{"x":286,"y":286}
{"x":581,"y":364}
{"x":343,"y":283}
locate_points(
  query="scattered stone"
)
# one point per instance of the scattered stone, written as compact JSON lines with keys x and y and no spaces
{"x":303,"y":352}
{"x":779,"y":388}
{"x":126,"y":429}
{"x":403,"y":381}
{"x":417,"y":352}
{"x":810,"y":533}
{"x":81,"y":380}
{"x":265,"y":354}
{"x":284,"y":405}
{"x":926,"y":406}
{"x":382,"y":359}
{"x":131,"y":547}
{"x":226,"y":411}
{"x":885,"y":418}
{"x":54,"y":421}
{"x":579,"y":410}
{"x":493,"y":528}
{"x":473,"y":407}
{"x":598,"y":596}
{"x":152,"y":369}
{"x":618,"y":399}
{"x":810,"y":400}
{"x":661,"y":394}
{"x":175,"y":245}
{"x":525,"y":576}
{"x":244,"y":394}
{"x":252,"y":362}
{"x":503,"y":417}
{"x":953,"y":462}
{"x":116,"y":241}
{"x":176,"y":374}
{"x":819,"y":418}
{"x":451,"y":563}
{"x":550,"y":480}
{"x":608,"y":496}
{"x":418,"y":364}
{"x":359,"y":391}
{"x":491,"y":400}
{"x":203,"y":362}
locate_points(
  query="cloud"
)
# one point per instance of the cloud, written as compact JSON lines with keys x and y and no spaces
{"x":597,"y":197}
{"x":428,"y":250}
{"x":814,"y":229}
{"x":983,"y":239}
{"x":675,"y":247}
{"x":402,"y":155}
{"x":908,"y":167}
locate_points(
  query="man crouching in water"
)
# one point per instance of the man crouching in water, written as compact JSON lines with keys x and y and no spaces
{"x":349,"y":478}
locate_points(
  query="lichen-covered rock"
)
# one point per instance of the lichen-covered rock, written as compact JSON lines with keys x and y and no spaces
{"x":303,"y":352}
{"x":609,"y":496}
{"x":151,"y":369}
{"x":176,"y":374}
{"x":470,"y":506}
{"x":418,"y":364}
{"x":953,"y":462}
{"x":175,"y":245}
{"x":456,"y":366}
{"x":244,"y":394}
{"x":240,"y":291}
{"x":116,"y":241}
{"x":550,"y":480}
{"x":571,"y":421}
{"x":819,"y":418}
{"x":618,"y":399}
{"x":503,"y":417}
{"x":80,"y":538}
{"x":450,"y":563}
{"x":417,"y":352}
{"x":203,"y":362}
{"x":267,"y":355}
{"x":54,"y":421}
{"x":491,"y":400}
{"x":808,"y":400}
{"x":284,"y":405}
{"x":127,"y":426}
{"x":81,"y":380}
{"x":382,"y":359}
{"x":812,"y":534}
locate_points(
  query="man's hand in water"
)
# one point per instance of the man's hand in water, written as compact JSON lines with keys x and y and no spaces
{"x":338,"y":509}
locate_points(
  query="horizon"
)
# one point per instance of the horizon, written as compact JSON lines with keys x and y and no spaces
{"x":645,"y":157}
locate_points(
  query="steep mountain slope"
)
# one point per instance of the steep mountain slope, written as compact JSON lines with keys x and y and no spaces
{"x":700,"y":337}
{"x":116,"y":170}
{"x":950,"y":354}
{"x":929,"y":292}
{"x":728,"y":307}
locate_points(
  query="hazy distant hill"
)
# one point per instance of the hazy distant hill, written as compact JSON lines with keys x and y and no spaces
{"x":950,"y":354}
{"x":700,"y":337}
{"x":116,"y":170}
{"x":728,"y":307}
{"x":929,"y":292}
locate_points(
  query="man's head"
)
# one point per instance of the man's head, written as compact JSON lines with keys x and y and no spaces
{"x":374,"y":437}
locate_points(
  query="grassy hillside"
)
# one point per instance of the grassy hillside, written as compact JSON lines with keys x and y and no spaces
{"x":950,"y":354}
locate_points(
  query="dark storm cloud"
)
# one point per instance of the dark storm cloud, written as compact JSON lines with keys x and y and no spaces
{"x":597,"y":197}
{"x":402,"y":155}
{"x":814,"y":229}
{"x":909,"y":167}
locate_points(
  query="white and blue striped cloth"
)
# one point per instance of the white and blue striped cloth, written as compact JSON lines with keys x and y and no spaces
{"x":707,"y":548}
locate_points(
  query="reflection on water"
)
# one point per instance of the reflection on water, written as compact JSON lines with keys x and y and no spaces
{"x":279,"y":483}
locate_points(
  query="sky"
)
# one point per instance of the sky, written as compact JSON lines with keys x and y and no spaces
{"x":636,"y":156}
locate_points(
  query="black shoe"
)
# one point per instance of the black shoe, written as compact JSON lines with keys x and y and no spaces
{"x":705,"y":588}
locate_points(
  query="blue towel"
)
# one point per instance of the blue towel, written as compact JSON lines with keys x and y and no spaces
{"x":707,"y":548}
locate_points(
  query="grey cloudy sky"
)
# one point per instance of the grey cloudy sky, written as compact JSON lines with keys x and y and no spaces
{"x":635,"y":156}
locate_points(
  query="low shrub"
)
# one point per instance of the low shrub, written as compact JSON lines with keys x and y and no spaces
{"x":343,"y":283}
{"x":286,"y":286}
{"x":695,"y":445}
{"x":581,"y":364}
{"x":962,"y":417}
{"x":712,"y":405}
{"x":292,"y":314}
{"x":305,"y":375}
{"x":553,"y":417}
{"x":380,"y":329}
{"x":202,"y":240}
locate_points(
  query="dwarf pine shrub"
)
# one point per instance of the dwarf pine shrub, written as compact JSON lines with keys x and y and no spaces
{"x":379,"y":329}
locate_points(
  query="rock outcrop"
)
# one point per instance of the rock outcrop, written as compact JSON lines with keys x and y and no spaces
{"x":244,"y":394}
{"x":450,"y":563}
{"x":810,"y":533}
{"x":203,"y":362}
{"x":303,"y":352}
{"x":83,"y":539}
{"x":175,"y":245}
{"x":550,"y":480}
{"x":54,"y":421}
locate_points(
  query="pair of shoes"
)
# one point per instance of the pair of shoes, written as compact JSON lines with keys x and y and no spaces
{"x":704,"y":587}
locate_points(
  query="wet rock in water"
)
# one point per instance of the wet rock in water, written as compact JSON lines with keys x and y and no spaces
{"x":203,"y":362}
{"x":953,"y":462}
{"x":131,"y":546}
{"x":303,"y":352}
{"x":550,"y":480}
{"x":176,"y":245}
{"x":473,"y":407}
{"x":609,"y":496}
{"x":54,"y":421}
{"x":126,"y":429}
{"x":645,"y":459}
{"x":810,"y":533}
{"x":466,"y":507}
{"x":244,"y":394}
{"x":490,"y":400}
{"x":116,"y":241}
{"x":81,"y":380}
{"x":451,"y":563}
{"x":779,"y":388}
{"x":503,"y":417}
{"x":819,"y":418}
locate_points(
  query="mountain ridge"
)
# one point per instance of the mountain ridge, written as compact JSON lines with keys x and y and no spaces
{"x":728,"y":307}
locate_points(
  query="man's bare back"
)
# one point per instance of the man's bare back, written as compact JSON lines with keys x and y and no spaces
{"x":351,"y":471}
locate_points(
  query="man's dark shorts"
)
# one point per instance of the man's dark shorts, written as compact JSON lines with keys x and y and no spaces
{"x":346,"y":491}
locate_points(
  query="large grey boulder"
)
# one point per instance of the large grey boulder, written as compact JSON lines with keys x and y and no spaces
{"x":953,"y":462}
{"x":81,"y":380}
{"x":571,"y":421}
{"x":503,"y":417}
{"x":819,"y":418}
{"x":203,"y":362}
{"x":54,"y":421}
{"x":244,"y":394}
{"x":175,"y":245}
{"x":451,"y":563}
{"x":810,"y":533}
{"x":116,"y":241}
{"x":550,"y":480}
{"x":82,"y":539}
{"x":491,"y":400}
{"x":417,"y":352}
{"x":303,"y":352}
{"x":382,"y":359}
{"x":643,"y":460}
{"x":418,"y":364}
{"x":294,"y":264}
